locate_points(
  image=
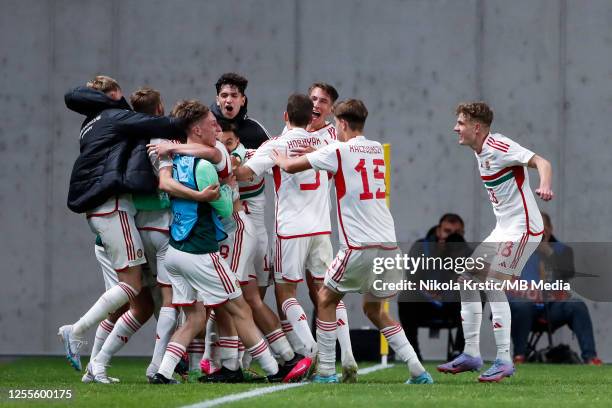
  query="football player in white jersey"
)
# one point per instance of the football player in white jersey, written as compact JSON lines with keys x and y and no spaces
{"x":367,"y":232}
{"x":323,"y":97}
{"x":247,"y":244}
{"x":502,"y":164}
{"x":302,"y":216}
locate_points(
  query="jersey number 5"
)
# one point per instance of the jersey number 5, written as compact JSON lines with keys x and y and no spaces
{"x":378,"y":174}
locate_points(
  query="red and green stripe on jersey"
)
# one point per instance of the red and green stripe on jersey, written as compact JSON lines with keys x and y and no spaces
{"x":516,"y":173}
{"x":252,"y":190}
{"x":498,"y":178}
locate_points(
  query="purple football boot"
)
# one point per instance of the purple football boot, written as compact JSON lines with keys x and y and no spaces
{"x":497,"y":372}
{"x":461,"y":364}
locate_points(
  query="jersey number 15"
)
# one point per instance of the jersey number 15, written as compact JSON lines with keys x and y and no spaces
{"x":378,"y":175}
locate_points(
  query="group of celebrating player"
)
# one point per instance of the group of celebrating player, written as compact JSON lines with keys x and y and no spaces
{"x":177,"y":204}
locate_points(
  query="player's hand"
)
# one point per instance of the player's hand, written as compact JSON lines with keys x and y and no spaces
{"x":545,"y":193}
{"x":300,"y":151}
{"x":210,"y":193}
{"x":279,"y":157}
{"x":235,"y":161}
{"x":161,"y":149}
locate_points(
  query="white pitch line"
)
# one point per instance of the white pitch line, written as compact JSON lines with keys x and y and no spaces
{"x":257,"y":392}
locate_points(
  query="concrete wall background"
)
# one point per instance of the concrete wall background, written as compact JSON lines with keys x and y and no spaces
{"x":546,"y":68}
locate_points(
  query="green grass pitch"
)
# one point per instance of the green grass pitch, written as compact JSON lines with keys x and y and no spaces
{"x":533,"y":386}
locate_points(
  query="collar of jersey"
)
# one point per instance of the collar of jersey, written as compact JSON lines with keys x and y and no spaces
{"x":300,"y":131}
{"x":357,"y":138}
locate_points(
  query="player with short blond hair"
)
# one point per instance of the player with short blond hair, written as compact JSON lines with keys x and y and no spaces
{"x":502,"y":165}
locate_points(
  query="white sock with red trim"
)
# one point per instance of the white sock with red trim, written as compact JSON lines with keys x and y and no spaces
{"x":172,"y":356}
{"x":326,"y":343}
{"x":104,"y":329}
{"x":296,"y":316}
{"x":502,"y":319}
{"x":228,"y":352}
{"x":125,"y":327}
{"x":292,"y":337}
{"x":195,"y":350}
{"x":344,"y":336}
{"x":110,"y":301}
{"x":261,"y":353}
{"x":211,"y":337}
{"x":398,"y":341}
{"x":471,"y":318}
{"x":280,"y":345}
{"x":245,"y":358}
{"x":166,"y":324}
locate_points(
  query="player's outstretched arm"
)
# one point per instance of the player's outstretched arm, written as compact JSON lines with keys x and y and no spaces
{"x":545,"y":172}
{"x":290,"y":164}
{"x":176,"y":189}
{"x":212,"y":154}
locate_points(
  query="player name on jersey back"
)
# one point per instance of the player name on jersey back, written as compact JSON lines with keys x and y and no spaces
{"x":302,"y":199}
{"x":358,"y":166}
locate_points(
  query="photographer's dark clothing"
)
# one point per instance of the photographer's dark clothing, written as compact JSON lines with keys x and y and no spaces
{"x":432,"y":309}
{"x":573,"y":312}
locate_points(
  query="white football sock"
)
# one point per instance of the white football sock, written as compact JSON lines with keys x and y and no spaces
{"x":110,"y":301}
{"x":398,"y":341}
{"x":228,"y":352}
{"x":104,"y":329}
{"x":280,"y":345}
{"x":344,"y":337}
{"x":125,"y":327}
{"x":166,"y":324}
{"x":296,"y":316}
{"x":500,"y":308}
{"x":172,"y":356}
{"x":471,"y":318}
{"x":326,"y":343}
{"x":261,"y":353}
{"x":195,"y":350}
{"x":292,"y":337}
{"x":211,"y":337}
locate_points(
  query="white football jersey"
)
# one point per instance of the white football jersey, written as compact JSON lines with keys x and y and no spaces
{"x":358,"y":166}
{"x":327,"y":132}
{"x":302,"y":202}
{"x":252,"y":192}
{"x":224,"y":167}
{"x":502,"y":165}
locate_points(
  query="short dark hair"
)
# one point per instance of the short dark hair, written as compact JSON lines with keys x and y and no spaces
{"x":478,"y":111}
{"x":327,"y":88}
{"x":353,"y":111}
{"x":145,"y":100}
{"x":189,"y":111}
{"x":233,"y":79}
{"x":228,"y":126}
{"x":451,"y":218}
{"x":299,"y":110}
